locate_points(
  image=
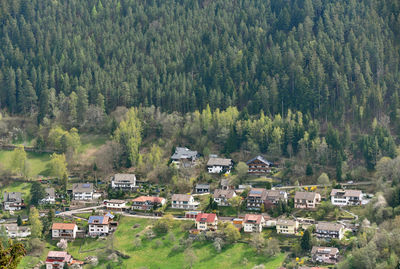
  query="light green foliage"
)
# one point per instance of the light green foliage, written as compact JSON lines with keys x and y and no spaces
{"x":242,"y":170}
{"x":63,"y":140}
{"x":231,"y":232}
{"x":323,"y":179}
{"x":128,"y":134}
{"x":36,"y":224}
{"x":19,"y":161}
{"x":58,"y":165}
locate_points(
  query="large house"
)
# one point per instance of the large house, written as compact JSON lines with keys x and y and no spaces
{"x":64,"y":230}
{"x":259,"y":165}
{"x":304,"y":199}
{"x":221,"y":197}
{"x":219,"y":165}
{"x":147,"y":202}
{"x":184,"y":157}
{"x":15,"y":231}
{"x":257,"y":197}
{"x":58,"y":260}
{"x":286,"y":226}
{"x":253,"y":223}
{"x":13,"y":201}
{"x":325,"y":255}
{"x":123,"y":181}
{"x":206,"y":221}
{"x":346,"y":197}
{"x":82,"y":191}
{"x":99,"y":225}
{"x":183,"y":201}
{"x":50,"y":197}
{"x":329,"y":230}
{"x":116,"y":205}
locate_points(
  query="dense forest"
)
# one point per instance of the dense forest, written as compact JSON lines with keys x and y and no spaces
{"x":334,"y":60}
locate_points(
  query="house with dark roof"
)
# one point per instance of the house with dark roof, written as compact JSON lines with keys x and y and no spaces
{"x":184,"y":157}
{"x":146,"y":203}
{"x":253,"y":223}
{"x":329,"y":230}
{"x":82,"y":191}
{"x":13,"y":201}
{"x":206,"y":221}
{"x":221,"y":197}
{"x":307,"y":200}
{"x":258,"y":197}
{"x":219,"y":165}
{"x":183,"y":201}
{"x":346,"y":197}
{"x":64,"y":230}
{"x":202,"y":188}
{"x":325,"y":255}
{"x":123,"y":181}
{"x":259,"y":165}
{"x":99,"y":225}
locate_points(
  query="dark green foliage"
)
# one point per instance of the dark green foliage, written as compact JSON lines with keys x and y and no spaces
{"x":37,"y":192}
{"x":19,"y":220}
{"x":305,"y":242}
{"x":309,"y":170}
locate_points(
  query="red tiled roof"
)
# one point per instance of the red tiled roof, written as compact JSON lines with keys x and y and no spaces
{"x":252,"y":218}
{"x":152,"y":199}
{"x":206,"y":217}
{"x":63,"y":226}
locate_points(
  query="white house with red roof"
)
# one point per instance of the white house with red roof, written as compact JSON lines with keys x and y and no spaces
{"x":147,"y":202}
{"x":64,"y":230}
{"x":253,"y":223}
{"x":206,"y":221}
{"x":58,"y":259}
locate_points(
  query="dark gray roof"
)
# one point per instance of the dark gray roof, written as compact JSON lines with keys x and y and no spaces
{"x":181,"y":197}
{"x":329,"y":226}
{"x":228,"y":194}
{"x":303,"y":195}
{"x":50,"y":192}
{"x":82,"y":187}
{"x":324,"y":250}
{"x":202,"y":186}
{"x":260,"y":158}
{"x":183,"y":153}
{"x":219,"y":162}
{"x":13,"y":197}
{"x":124,"y":178}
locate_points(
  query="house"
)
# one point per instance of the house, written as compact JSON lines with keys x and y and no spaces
{"x":147,"y":202}
{"x":183,"y":157}
{"x":183,"y":201}
{"x":13,"y":201}
{"x":304,"y":199}
{"x":123,"y":181}
{"x":50,"y":196}
{"x":253,"y":223}
{"x":202,"y":188}
{"x":325,"y":255}
{"x":219,"y":165}
{"x":257,"y":197}
{"x":64,"y":230}
{"x":82,"y":191}
{"x":286,"y":226}
{"x":221,"y":197}
{"x":116,"y":205}
{"x":346,"y":197}
{"x":15,"y":231}
{"x":206,"y":221}
{"x":99,"y":225}
{"x":329,"y":230}
{"x":58,"y":260}
{"x":259,"y":165}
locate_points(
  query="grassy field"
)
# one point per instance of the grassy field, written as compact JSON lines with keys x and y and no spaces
{"x":37,"y":162}
{"x":91,"y":141}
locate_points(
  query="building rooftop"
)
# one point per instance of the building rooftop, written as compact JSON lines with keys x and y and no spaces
{"x":303,"y":195}
{"x":253,"y":218}
{"x":183,"y":153}
{"x":98,"y":220}
{"x":324,"y":250}
{"x":13,"y":197}
{"x":82,"y":187}
{"x":202,"y":186}
{"x":329,"y":226}
{"x":124,"y":178}
{"x":206,"y":217}
{"x":181,"y":197}
{"x":228,"y":194}
{"x":50,"y":192}
{"x":63,"y":226}
{"x":219,"y":162}
{"x":286,"y":222}
{"x":153,"y":199}
{"x":261,"y":159}
{"x":346,"y":193}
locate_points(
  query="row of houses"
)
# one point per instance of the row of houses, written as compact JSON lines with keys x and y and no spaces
{"x":186,"y":158}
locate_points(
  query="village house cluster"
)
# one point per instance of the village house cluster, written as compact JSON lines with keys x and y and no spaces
{"x":255,"y":201}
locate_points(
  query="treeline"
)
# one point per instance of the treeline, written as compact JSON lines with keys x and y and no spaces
{"x":334,"y":60}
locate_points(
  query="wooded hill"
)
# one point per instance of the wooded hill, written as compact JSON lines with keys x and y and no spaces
{"x":335,"y":60}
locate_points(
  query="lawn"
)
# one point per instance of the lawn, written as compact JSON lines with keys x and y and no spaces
{"x":90,"y":141}
{"x":152,"y":256}
{"x":37,"y":162}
